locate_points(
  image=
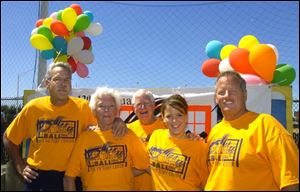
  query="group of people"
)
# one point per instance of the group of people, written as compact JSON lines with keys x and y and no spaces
{"x":77,"y":145}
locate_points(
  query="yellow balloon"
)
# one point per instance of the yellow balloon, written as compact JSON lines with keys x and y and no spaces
{"x":47,"y":22}
{"x":62,"y":58}
{"x":248,"y":42}
{"x":226,"y":50}
{"x":40,"y":42}
{"x":69,"y":18}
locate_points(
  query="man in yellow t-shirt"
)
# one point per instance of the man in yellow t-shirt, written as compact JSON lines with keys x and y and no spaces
{"x":52,"y":123}
{"x":248,"y":151}
{"x":144,"y":106}
{"x":103,"y":161}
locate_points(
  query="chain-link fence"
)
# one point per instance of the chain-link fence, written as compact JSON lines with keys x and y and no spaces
{"x":296,"y":121}
{"x":10,"y":107}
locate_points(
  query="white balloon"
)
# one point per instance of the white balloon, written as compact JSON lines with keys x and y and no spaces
{"x":94,"y":29}
{"x":84,"y":56}
{"x":225,"y":65}
{"x":75,"y":45}
{"x":54,"y":15}
{"x":275,"y":50}
{"x":34,"y":31}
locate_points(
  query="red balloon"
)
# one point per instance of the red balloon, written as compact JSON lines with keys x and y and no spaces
{"x":39,"y":22}
{"x":239,"y":61}
{"x":87,"y":42}
{"x":77,"y":8}
{"x":59,"y":28}
{"x":210,"y":67}
{"x":80,"y":34}
{"x":72,"y":63}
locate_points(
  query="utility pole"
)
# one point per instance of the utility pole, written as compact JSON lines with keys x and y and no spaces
{"x":42,"y":67}
{"x":18,"y":87}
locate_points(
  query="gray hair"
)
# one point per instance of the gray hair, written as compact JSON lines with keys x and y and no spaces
{"x":236,"y":76}
{"x":141,"y":92}
{"x":100,"y":92}
{"x":66,"y":66}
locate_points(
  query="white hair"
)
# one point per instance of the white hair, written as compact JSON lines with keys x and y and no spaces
{"x":142,"y":92}
{"x":102,"y":91}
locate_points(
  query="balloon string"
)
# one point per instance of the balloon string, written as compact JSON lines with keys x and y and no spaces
{"x":57,"y":56}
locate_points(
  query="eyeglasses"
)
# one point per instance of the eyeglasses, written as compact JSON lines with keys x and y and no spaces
{"x":139,"y":105}
{"x":60,"y":80}
{"x":108,"y":107}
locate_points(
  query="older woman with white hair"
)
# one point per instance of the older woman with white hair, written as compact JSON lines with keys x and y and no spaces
{"x":103,"y":161}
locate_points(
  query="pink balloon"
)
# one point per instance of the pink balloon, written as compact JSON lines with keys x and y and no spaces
{"x":82,"y":70}
{"x":253,"y":79}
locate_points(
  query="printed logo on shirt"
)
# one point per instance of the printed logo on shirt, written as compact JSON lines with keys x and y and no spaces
{"x":168,"y":162}
{"x":225,"y":151}
{"x":56,"y":130}
{"x":107,"y":156}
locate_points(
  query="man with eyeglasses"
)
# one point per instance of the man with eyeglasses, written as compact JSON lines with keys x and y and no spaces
{"x":144,"y":107}
{"x":52,"y":123}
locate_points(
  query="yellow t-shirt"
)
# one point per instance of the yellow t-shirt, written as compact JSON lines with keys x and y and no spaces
{"x":177,"y":164}
{"x":144,"y":131}
{"x":144,"y":182}
{"x":104,"y":162}
{"x":52,"y":130}
{"x":253,"y":152}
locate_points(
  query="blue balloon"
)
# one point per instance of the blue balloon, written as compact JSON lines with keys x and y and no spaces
{"x":90,"y":15}
{"x":60,"y":44}
{"x":48,"y":54}
{"x":213,"y":49}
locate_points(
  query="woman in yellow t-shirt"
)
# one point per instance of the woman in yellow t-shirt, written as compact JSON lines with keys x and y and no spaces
{"x":176,"y":162}
{"x":103,"y":161}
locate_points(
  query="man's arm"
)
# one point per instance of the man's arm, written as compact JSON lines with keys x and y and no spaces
{"x":25,"y":171}
{"x":137,"y":172}
{"x":69,"y":183}
{"x":119,"y":127}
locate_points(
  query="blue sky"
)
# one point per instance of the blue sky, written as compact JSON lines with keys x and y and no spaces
{"x":151,"y":44}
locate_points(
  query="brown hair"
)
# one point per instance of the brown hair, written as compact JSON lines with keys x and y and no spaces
{"x":176,"y":101}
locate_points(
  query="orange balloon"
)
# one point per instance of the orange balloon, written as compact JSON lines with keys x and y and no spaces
{"x":39,"y":22}
{"x":210,"y":67}
{"x":59,"y":28}
{"x":239,"y":61}
{"x":263,"y":60}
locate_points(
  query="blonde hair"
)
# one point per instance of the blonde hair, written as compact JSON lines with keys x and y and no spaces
{"x":236,"y":76}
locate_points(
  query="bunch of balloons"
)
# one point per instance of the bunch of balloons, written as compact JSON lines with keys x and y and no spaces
{"x":255,"y":62}
{"x":62,"y":36}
